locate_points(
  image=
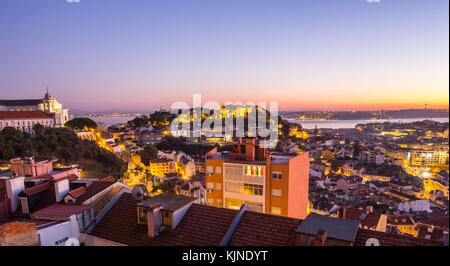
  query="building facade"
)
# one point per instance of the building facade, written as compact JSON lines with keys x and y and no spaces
{"x":48,"y":105}
{"x":250,"y":175}
{"x":25,"y":120}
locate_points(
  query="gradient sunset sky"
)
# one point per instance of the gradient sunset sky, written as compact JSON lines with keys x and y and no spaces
{"x":138,"y":55}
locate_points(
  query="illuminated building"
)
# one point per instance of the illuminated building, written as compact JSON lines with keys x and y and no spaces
{"x":436,"y":158}
{"x":265,"y":182}
{"x":161,"y":166}
{"x":48,"y":105}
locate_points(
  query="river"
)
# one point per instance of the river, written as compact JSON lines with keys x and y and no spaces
{"x":334,"y":124}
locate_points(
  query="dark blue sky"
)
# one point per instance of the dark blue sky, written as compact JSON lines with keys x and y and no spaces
{"x":305,"y":54}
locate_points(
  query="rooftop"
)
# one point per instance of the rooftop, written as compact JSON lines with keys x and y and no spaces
{"x":61,"y":210}
{"x":206,"y":226}
{"x":337,"y":228}
{"x":168,"y":201}
{"x":24,"y":115}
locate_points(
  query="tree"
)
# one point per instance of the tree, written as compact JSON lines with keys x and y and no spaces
{"x":148,"y":153}
{"x":81,"y":123}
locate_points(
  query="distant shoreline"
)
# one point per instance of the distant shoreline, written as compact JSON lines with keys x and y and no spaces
{"x":345,"y":124}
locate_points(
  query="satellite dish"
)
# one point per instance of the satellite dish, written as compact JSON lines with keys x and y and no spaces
{"x":138,"y":193}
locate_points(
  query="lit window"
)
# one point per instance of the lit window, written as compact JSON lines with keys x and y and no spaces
{"x":233,"y":203}
{"x":142,"y":215}
{"x":219,"y":203}
{"x":218,"y":186}
{"x":254,"y":170}
{"x":166,"y":218}
{"x":276,"y":211}
{"x":210,"y":185}
{"x":253,"y":189}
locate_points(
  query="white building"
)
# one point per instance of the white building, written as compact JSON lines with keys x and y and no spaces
{"x":25,"y":120}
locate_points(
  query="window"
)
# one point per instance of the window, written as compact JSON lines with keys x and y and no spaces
{"x":253,"y":189}
{"x":218,"y":186}
{"x":233,"y":186}
{"x":276,"y":211}
{"x":210,"y":202}
{"x":277,"y":175}
{"x":209,"y":170}
{"x":142,"y":215}
{"x":276,"y":192}
{"x":166,"y":218}
{"x":218,"y":170}
{"x":254,"y":170}
{"x":233,"y":203}
{"x":219,"y":203}
{"x":210,"y":185}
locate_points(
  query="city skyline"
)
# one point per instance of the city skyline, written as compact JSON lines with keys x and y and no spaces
{"x":306,"y":55}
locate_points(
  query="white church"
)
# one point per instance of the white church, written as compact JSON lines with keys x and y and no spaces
{"x":23,"y":114}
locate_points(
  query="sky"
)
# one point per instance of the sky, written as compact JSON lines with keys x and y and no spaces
{"x":140,"y":55}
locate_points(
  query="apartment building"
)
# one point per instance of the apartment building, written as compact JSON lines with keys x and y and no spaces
{"x":264,"y":181}
{"x":437,"y":157}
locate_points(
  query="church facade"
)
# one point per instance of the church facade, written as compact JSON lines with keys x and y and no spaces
{"x":48,"y":105}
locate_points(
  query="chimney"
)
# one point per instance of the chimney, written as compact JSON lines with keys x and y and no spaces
{"x":154,"y":220}
{"x":321,"y":238}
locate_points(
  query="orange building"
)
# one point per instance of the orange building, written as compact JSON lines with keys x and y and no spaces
{"x":265,"y":182}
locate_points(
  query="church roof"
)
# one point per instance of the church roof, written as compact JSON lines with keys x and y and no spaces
{"x":24,"y":115}
{"x":28,"y":102}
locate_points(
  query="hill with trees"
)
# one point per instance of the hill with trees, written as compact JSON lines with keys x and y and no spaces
{"x":63,"y":144}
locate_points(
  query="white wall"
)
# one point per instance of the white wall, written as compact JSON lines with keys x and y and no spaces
{"x":13,"y":187}
{"x":178,"y":215}
{"x":48,"y":236}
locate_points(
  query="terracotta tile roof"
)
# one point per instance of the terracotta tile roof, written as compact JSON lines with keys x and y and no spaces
{"x":369,"y":219}
{"x":24,"y":115}
{"x":37,"y":189}
{"x":72,"y":177}
{"x":387,"y":239}
{"x":206,"y":226}
{"x":61,"y":210}
{"x":48,"y":199}
{"x":76,"y":193}
{"x":107,"y":179}
{"x":200,"y":226}
{"x":15,"y":228}
{"x":92,"y":190}
{"x":258,"y":229}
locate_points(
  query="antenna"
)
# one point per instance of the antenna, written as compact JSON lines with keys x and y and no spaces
{"x":138,"y":193}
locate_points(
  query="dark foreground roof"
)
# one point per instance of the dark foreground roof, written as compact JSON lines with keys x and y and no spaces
{"x":200,"y":226}
{"x":206,"y":226}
